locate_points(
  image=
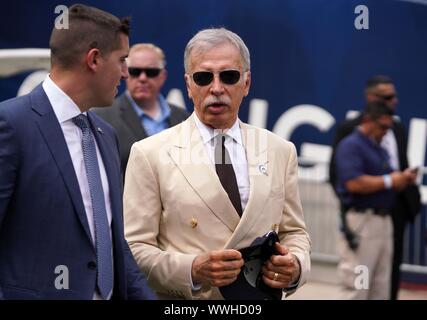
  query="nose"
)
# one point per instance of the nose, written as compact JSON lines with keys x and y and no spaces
{"x":392,"y":104}
{"x":395,"y":101}
{"x":216,"y":88}
{"x":142,"y":76}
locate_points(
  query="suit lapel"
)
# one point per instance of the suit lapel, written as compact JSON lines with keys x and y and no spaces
{"x":173,"y":118}
{"x":131,"y":119}
{"x":176,"y":116}
{"x":189,"y":154}
{"x":260,"y":174}
{"x":52,"y":133}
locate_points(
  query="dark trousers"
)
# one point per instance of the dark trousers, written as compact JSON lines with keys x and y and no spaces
{"x":400,"y":220}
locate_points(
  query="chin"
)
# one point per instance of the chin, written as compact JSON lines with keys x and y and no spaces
{"x":218,"y":124}
{"x":221,"y":121}
{"x":141,"y":97}
{"x":107,"y":102}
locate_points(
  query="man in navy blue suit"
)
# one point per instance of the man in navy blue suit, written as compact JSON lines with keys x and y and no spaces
{"x":61,"y":227}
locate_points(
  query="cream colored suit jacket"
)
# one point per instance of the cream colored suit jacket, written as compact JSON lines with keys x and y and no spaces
{"x":176,"y":208}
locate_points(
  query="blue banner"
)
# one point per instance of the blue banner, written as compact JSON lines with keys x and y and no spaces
{"x":310,"y":58}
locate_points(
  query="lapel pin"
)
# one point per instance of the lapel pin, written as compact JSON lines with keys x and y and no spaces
{"x":99,"y":130}
{"x":263,"y":169}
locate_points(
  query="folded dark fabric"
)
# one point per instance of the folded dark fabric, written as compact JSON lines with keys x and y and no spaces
{"x":249,"y":284}
{"x":413,"y":201}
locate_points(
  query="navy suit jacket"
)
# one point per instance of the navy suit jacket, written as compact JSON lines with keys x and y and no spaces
{"x":43,"y":222}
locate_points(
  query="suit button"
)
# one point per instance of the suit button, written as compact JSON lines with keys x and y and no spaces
{"x":193,"y":223}
{"x":91,"y":265}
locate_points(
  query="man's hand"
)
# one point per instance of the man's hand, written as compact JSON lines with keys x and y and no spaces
{"x":402,"y":179}
{"x":282,"y":270}
{"x":217,"y":268}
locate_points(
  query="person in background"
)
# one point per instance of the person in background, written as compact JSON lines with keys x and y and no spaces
{"x":381,"y":89}
{"x":367,"y":186}
{"x":61,"y":225}
{"x":142,"y":110}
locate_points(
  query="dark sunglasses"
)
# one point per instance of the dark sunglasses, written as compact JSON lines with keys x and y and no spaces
{"x":387,"y":98}
{"x":149,"y":72}
{"x":204,"y":78}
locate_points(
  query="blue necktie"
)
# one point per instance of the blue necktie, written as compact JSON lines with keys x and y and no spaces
{"x":102,"y":229}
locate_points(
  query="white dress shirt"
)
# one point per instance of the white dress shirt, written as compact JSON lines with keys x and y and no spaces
{"x":234,"y":145}
{"x":65,"y":110}
{"x":390,"y":145}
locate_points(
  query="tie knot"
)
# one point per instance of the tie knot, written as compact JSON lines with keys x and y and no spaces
{"x":81,"y":121}
{"x":220,"y":138}
{"x":221,"y":154}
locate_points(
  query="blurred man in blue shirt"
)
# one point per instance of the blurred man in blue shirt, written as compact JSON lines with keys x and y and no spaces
{"x":367,"y":186}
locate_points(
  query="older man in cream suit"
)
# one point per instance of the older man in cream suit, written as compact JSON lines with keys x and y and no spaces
{"x":199,"y":191}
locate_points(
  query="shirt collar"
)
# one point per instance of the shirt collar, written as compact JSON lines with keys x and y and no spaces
{"x":164,"y":108}
{"x":209,"y":133}
{"x":370,"y":140}
{"x":63,"y":106}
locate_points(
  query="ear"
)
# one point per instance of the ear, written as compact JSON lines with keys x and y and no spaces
{"x":187,"y":83}
{"x":93,"y":59}
{"x":366,"y":119}
{"x":247,"y":83}
{"x":164,"y":75}
{"x":370,"y":97}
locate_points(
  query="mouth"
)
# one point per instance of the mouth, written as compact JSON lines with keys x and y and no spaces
{"x":217,"y":107}
{"x":142,"y":88}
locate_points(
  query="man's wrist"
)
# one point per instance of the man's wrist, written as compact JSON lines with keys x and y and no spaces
{"x":388,"y":182}
{"x":194,"y":285}
{"x":295,"y":283}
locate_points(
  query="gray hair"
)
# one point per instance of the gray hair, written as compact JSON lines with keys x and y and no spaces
{"x":209,"y":38}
